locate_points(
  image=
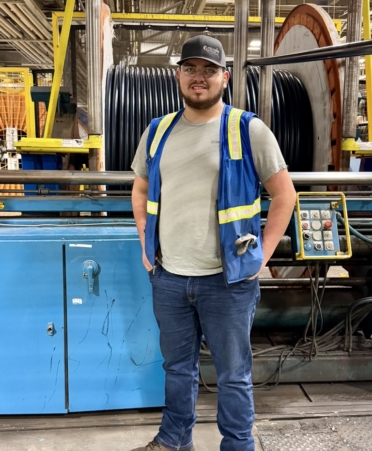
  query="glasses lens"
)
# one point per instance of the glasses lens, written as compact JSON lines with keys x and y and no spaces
{"x":190,"y":71}
{"x":207,"y":72}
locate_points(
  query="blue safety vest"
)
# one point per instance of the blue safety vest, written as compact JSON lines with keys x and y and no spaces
{"x":238,"y":192}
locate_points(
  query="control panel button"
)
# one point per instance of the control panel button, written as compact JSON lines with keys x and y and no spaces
{"x":318,"y":246}
{"x":304,"y":214}
{"x":316,"y":225}
{"x":305,"y":225}
{"x":308,"y":246}
{"x":306,"y":235}
{"x":329,"y":246}
{"x":327,"y":224}
{"x":326,"y":214}
{"x":317,"y":236}
{"x":315,"y":214}
{"x":328,"y":235}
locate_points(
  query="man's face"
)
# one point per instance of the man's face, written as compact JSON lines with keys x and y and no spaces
{"x":201,"y":83}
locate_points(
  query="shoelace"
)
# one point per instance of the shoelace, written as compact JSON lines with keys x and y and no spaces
{"x":153,"y":445}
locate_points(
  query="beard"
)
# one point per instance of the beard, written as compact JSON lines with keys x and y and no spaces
{"x":200,"y":104}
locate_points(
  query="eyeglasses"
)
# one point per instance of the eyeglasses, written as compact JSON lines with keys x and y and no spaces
{"x":207,"y":72}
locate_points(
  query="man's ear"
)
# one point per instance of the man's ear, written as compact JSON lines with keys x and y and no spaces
{"x":226,"y":76}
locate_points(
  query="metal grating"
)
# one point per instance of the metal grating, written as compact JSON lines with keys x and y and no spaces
{"x":318,"y":434}
{"x":355,"y":432}
{"x":297,"y":441}
{"x":351,"y":392}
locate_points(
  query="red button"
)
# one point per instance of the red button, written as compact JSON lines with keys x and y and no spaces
{"x":305,"y":225}
{"x":328,"y":224}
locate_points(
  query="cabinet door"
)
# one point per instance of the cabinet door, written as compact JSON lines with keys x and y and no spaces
{"x":114,"y":361}
{"x":31,"y":328}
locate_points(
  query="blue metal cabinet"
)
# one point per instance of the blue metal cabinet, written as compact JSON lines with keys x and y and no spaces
{"x":31,"y":327}
{"x":77,"y":330}
{"x":114,"y":361}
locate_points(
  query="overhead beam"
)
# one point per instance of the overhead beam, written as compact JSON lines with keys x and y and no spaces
{"x":170,"y":18}
{"x":177,"y":19}
{"x":170,"y":7}
{"x":33,"y":6}
{"x":153,"y":50}
{"x":25,"y":40}
{"x":155,"y":35}
{"x":134,"y":18}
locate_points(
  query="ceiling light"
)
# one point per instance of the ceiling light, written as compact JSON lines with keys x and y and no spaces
{"x":255,"y":43}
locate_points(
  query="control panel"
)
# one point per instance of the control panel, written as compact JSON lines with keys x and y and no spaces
{"x":316,"y":226}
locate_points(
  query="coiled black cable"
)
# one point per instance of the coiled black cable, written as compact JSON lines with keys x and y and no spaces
{"x":135,"y":95}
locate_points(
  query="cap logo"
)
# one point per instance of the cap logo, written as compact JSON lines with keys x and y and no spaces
{"x":211,"y":50}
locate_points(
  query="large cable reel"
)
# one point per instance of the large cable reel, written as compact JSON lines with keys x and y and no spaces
{"x":308,"y":27}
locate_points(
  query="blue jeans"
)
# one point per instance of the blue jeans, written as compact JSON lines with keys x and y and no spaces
{"x":185,"y":308}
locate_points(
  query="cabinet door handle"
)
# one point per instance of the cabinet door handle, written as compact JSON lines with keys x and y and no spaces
{"x":90,"y":271}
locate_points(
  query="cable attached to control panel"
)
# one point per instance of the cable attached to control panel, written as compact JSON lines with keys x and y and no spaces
{"x":352,"y":230}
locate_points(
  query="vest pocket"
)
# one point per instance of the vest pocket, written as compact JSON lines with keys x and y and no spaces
{"x":251,"y":260}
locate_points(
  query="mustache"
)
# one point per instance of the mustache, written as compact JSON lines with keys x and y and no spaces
{"x":198,"y":84}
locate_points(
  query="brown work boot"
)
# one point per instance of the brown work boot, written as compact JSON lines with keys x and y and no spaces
{"x":155,"y":446}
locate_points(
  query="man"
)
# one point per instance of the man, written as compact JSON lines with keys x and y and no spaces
{"x":196,"y":192}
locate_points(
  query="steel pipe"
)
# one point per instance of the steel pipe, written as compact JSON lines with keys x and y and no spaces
{"x":70,"y":177}
{"x":121,"y":177}
{"x":331,"y":178}
{"x":323,"y":53}
{"x":240,"y":54}
{"x":94,"y":67}
{"x":266,"y":72}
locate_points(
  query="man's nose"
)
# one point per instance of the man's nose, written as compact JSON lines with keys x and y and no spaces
{"x":200,"y":74}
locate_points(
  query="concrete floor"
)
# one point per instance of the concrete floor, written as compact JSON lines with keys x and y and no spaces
{"x":292,"y":417}
{"x":325,"y":434}
{"x":206,"y":438}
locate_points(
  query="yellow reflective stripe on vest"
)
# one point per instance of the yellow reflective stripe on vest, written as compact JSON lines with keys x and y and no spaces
{"x":162,"y":128}
{"x":237,"y":213}
{"x":234,"y":138}
{"x":152,"y":207}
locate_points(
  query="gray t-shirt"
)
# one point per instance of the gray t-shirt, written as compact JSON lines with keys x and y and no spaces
{"x":189,"y":168}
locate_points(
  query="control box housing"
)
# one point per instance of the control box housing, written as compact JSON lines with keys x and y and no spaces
{"x":316,"y":226}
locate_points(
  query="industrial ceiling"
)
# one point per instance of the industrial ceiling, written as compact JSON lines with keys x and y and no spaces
{"x":26,"y":34}
{"x":26,"y":31}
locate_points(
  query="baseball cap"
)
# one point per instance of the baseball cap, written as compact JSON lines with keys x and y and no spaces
{"x":203,"y":47}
